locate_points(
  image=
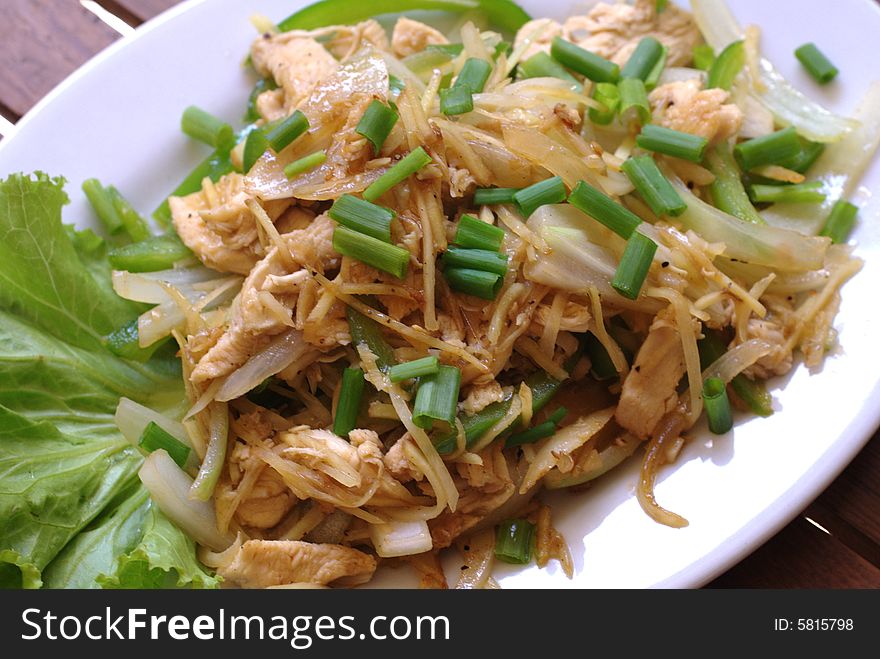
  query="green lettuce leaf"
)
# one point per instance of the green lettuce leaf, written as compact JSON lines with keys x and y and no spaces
{"x":131,"y":545}
{"x":42,"y":278}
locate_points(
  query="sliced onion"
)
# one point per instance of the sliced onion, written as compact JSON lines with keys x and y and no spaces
{"x":274,"y":358}
{"x":215,"y":455}
{"x":609,"y":458}
{"x":479,"y":558}
{"x":132,"y":418}
{"x":148,"y":286}
{"x":169,"y":488}
{"x":401,"y":538}
{"x":736,"y":360}
{"x":681,"y":74}
{"x":159,"y":322}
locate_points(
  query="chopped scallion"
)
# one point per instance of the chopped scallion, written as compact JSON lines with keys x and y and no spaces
{"x":557,"y":415}
{"x":154,"y":437}
{"x":727,"y":66}
{"x":305,"y":164}
{"x":474,"y":75}
{"x":604,"y":209}
{"x":285,"y":132}
{"x":372,"y":251}
{"x":102,"y":202}
{"x":531,"y":435}
{"x":704,"y":56}
{"x":479,"y":283}
{"x":414,"y":369}
{"x":135,"y":226}
{"x":727,"y":191}
{"x":634,"y":265}
{"x":608,"y":95}
{"x":653,"y":78}
{"x":654,"y":188}
{"x":768,"y":149}
{"x":802,"y":193}
{"x":601,"y":366}
{"x":456,"y":100}
{"x":717,"y":406}
{"x":351,"y":391}
{"x":634,"y":103}
{"x":476,"y":259}
{"x":541,"y":65}
{"x":376,"y":124}
{"x":816,"y":64}
{"x":493,"y":196}
{"x":150,"y":255}
{"x":809,"y":154}
{"x":643,"y":60}
{"x":255,"y":146}
{"x":476,"y":234}
{"x":589,"y":65}
{"x":840,"y":222}
{"x":437,"y":397}
{"x":514,"y":540}
{"x":548,"y":191}
{"x":402,"y":170}
{"x":363,"y":216}
{"x":207,"y":128}
{"x":672,"y":142}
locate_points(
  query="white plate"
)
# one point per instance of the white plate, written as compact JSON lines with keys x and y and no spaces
{"x":117,"y":119}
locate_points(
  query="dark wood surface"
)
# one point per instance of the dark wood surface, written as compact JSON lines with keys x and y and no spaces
{"x":834,"y":543}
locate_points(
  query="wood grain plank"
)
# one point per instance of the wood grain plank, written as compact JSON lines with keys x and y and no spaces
{"x":143,"y":9}
{"x":801,"y":556}
{"x":855,"y":495}
{"x":41,"y":43}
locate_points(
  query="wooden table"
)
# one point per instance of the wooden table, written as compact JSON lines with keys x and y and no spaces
{"x":834,"y":543}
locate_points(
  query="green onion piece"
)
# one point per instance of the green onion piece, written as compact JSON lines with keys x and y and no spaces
{"x":395,"y":86}
{"x":476,"y":425}
{"x":377,"y":123}
{"x":816,"y":64}
{"x":402,"y":170}
{"x":601,"y":366}
{"x":156,"y":253}
{"x":634,"y":100}
{"x":557,"y":415}
{"x":362,"y":216}
{"x":634,"y":265}
{"x":531,"y":435}
{"x":366,"y":331}
{"x":654,"y":188}
{"x":660,"y":5}
{"x":493,"y":196}
{"x":285,"y":132}
{"x":479,"y":283}
{"x":727,"y":191}
{"x":207,"y":128}
{"x":102,"y":202}
{"x":653,"y":78}
{"x":548,"y":191}
{"x":135,"y":226}
{"x":802,"y":193}
{"x":809,"y":154}
{"x":768,"y":149}
{"x":154,"y":438}
{"x":437,"y":397}
{"x":604,"y":209}
{"x":541,"y":65}
{"x":456,"y":100}
{"x":263,"y":85}
{"x":449,"y":49}
{"x":840,"y":222}
{"x":212,"y":167}
{"x":305,"y":164}
{"x":476,"y":234}
{"x":672,"y":142}
{"x":474,"y":75}
{"x":476,"y":259}
{"x":389,"y":258}
{"x":590,"y":65}
{"x":753,"y":393}
{"x":414,"y":369}
{"x":608,"y":95}
{"x":727,"y":66}
{"x":255,"y":146}
{"x":643,"y":60}
{"x":704,"y":56}
{"x":514,"y":540}
{"x":717,"y":406}
{"x":351,"y":391}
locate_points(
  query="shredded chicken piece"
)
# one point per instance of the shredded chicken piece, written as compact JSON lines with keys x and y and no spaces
{"x":481,"y":395}
{"x":266,"y":563}
{"x":297,"y":64}
{"x":410,"y":37}
{"x":397,"y":463}
{"x":775,"y":329}
{"x":614,"y":30}
{"x":539,"y":33}
{"x":222,"y":234}
{"x":684,"y":107}
{"x":256,"y":319}
{"x":649,"y":391}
